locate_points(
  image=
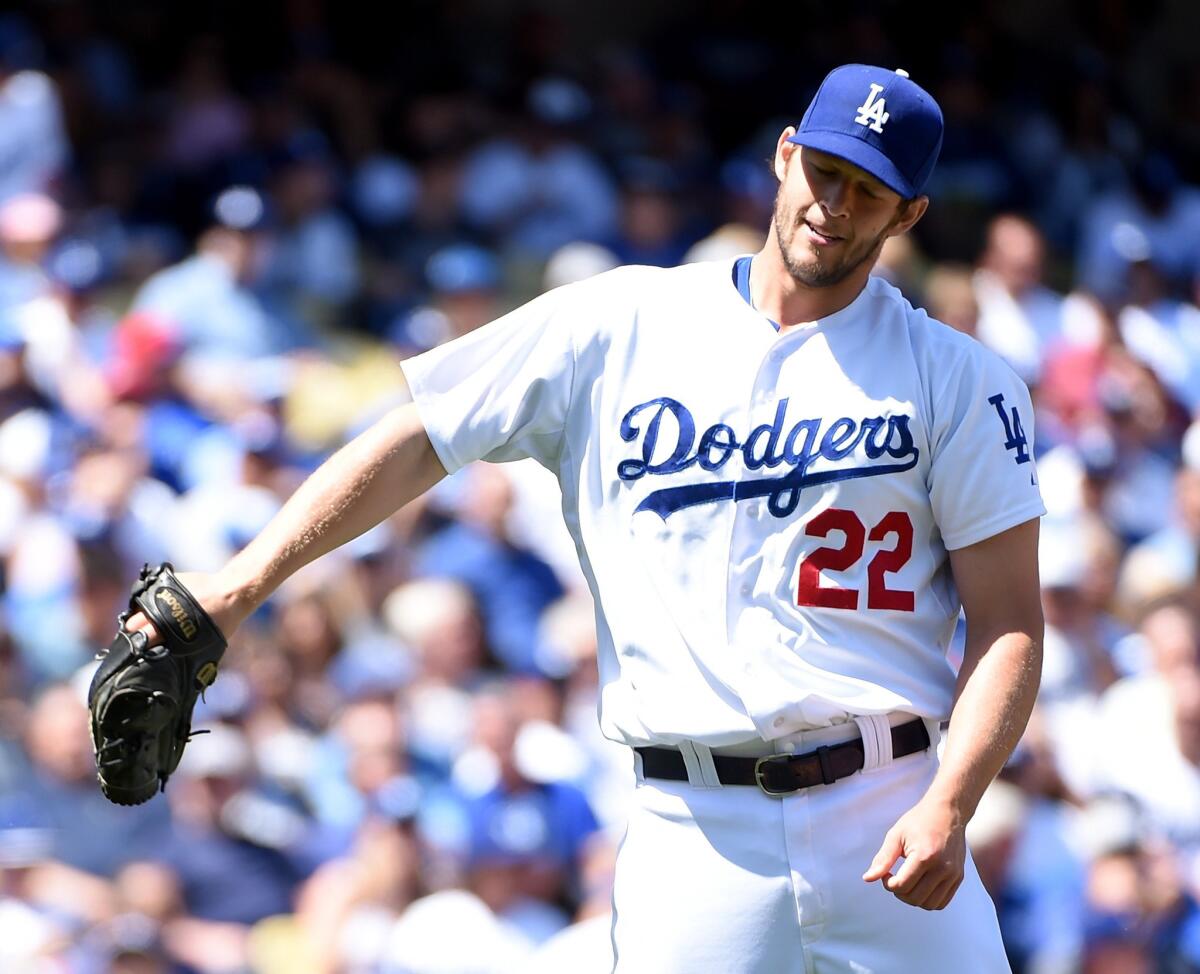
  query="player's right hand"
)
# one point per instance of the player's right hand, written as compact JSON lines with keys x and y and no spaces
{"x":931,"y":838}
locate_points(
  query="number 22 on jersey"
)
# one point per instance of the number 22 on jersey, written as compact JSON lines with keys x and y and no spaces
{"x":895,"y":525}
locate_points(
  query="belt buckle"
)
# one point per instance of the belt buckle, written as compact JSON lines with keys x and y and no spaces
{"x":759,"y":780}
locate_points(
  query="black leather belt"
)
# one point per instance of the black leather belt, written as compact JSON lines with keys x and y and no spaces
{"x":784,"y":774}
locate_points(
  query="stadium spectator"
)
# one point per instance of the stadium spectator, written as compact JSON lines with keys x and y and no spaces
{"x":34,"y":148}
{"x":539,"y":188}
{"x":1157,"y":215}
{"x":1019,"y":317}
{"x":205,"y":298}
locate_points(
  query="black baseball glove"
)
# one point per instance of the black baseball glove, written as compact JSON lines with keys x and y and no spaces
{"x":141,"y":698}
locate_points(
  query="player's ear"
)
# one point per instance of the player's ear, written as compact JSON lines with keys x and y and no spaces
{"x":783,"y":151}
{"x":910,"y":212}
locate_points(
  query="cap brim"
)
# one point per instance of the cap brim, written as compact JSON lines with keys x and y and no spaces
{"x":860,"y":153}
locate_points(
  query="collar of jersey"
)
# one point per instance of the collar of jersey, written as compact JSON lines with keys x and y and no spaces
{"x":741,"y":281}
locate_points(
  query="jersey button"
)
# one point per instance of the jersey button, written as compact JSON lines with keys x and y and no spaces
{"x":777,"y":722}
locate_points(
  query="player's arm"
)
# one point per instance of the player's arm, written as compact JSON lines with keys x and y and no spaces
{"x":368,"y":479}
{"x":501,"y":392}
{"x":997,"y":581}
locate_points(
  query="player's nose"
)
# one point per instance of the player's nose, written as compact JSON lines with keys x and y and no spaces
{"x":835,"y":200}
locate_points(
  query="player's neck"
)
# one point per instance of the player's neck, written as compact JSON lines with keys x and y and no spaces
{"x":782,"y":298}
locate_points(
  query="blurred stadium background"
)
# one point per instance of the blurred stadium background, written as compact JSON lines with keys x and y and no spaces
{"x":221,"y":227}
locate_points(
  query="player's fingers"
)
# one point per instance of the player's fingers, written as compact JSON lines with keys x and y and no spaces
{"x":907,"y":876}
{"x":885,"y":858}
{"x":922,"y":891}
{"x":945,"y":884}
{"x":946,"y":894}
{"x":139,"y":623}
{"x":932,"y":897}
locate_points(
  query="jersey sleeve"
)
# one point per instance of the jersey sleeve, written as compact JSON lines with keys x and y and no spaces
{"x":500,"y":392}
{"x":983,"y":478}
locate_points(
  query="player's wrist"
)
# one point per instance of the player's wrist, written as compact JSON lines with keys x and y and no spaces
{"x":238,"y":591}
{"x":952,"y":802}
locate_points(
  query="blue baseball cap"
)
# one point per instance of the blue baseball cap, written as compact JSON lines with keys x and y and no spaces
{"x":879,"y":120}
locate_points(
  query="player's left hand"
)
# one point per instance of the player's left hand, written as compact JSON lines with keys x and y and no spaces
{"x":932,"y":839}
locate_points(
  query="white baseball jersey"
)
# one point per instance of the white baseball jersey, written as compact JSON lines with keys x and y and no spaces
{"x":763,"y":518}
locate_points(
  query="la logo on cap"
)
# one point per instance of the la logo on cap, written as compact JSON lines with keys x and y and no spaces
{"x":872,"y":112}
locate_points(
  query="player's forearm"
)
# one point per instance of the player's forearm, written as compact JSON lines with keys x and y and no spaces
{"x":369,"y":478}
{"x":997,"y":688}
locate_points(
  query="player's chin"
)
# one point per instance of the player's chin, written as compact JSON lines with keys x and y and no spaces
{"x":826,"y":258}
{"x":817,"y":271}
{"x":804,"y":256}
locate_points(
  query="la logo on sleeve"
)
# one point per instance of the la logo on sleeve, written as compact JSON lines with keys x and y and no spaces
{"x":1014,"y":433}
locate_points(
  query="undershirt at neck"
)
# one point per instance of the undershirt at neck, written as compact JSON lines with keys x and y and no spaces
{"x":741,"y":280}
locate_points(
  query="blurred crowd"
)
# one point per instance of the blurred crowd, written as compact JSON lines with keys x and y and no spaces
{"x":216,"y":245}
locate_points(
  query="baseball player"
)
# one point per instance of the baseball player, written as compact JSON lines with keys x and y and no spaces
{"x":783,"y":482}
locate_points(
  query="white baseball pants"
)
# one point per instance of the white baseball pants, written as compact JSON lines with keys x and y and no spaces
{"x":727,"y":880}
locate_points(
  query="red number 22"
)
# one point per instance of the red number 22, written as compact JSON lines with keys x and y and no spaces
{"x":886,"y":560}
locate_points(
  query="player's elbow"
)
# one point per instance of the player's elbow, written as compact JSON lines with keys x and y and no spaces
{"x":427,"y":464}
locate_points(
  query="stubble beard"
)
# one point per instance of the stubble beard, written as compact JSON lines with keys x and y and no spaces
{"x":820,"y":271}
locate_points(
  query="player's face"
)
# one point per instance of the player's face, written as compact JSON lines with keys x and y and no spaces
{"x":832,"y":217}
